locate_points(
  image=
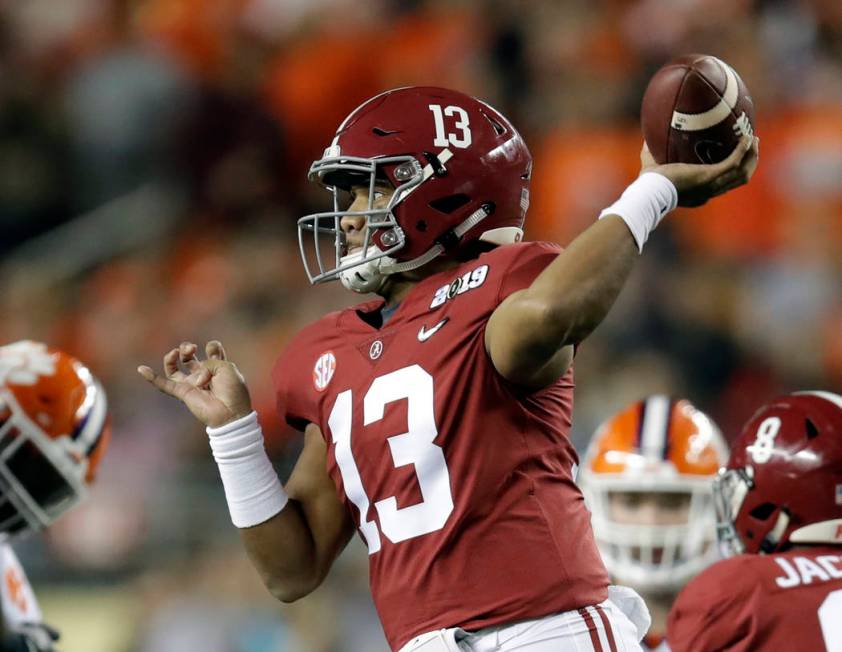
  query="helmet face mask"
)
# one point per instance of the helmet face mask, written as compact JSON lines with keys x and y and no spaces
{"x":729,"y":492}
{"x":647,"y":480}
{"x":327,"y":225}
{"x":459,"y":170}
{"x":40,"y":478}
{"x":53,"y":430}
{"x":659,"y":556}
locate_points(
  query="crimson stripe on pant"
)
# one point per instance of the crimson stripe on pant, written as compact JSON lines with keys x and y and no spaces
{"x":607,"y":625}
{"x":586,"y":616}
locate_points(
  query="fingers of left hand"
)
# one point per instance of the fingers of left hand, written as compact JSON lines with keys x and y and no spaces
{"x":201,"y":377}
{"x":187,"y":356}
{"x":171,"y":369}
{"x":146,"y":372}
{"x":214,"y":350}
{"x":165,"y":385}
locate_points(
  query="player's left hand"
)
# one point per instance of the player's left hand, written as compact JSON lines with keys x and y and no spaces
{"x":698,"y":183}
{"x":213,"y":389}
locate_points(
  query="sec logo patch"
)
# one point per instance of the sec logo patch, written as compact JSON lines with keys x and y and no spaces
{"x":323,"y":371}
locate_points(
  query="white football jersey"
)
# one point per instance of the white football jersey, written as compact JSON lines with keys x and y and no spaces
{"x":18,"y":599}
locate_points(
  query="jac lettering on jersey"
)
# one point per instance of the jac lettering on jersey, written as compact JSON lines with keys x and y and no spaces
{"x":762,"y":603}
{"x":459,"y":482}
{"x":803,"y":570}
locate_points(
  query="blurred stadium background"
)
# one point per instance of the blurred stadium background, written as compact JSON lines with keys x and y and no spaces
{"x":153,"y":158}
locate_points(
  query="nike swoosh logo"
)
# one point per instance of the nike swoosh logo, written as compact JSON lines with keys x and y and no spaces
{"x":424,"y":334}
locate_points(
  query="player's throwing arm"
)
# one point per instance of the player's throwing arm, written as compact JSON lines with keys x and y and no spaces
{"x":574,"y":293}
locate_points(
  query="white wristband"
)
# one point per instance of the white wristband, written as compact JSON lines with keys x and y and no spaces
{"x":252,"y":488}
{"x":644,"y":204}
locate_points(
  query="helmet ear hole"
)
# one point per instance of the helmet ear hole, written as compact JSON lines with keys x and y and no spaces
{"x":763,"y":512}
{"x":450,"y":204}
{"x":812,"y":431}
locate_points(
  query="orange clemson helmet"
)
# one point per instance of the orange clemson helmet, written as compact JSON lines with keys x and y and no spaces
{"x":54,"y":428}
{"x":665,"y":453}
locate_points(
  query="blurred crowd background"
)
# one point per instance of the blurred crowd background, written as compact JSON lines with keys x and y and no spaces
{"x":153,"y":158}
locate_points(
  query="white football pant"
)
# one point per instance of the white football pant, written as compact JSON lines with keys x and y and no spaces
{"x":616,"y":625}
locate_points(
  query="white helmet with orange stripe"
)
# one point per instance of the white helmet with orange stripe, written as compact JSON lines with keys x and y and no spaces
{"x":647,"y":479}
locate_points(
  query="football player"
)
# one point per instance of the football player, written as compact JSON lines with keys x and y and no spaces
{"x":779,"y":511}
{"x":53,"y":432}
{"x":647,"y":478}
{"x":436,"y":416}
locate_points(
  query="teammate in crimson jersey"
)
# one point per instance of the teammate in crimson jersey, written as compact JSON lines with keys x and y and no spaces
{"x":779,"y":506}
{"x":647,"y":478}
{"x":436,"y":416}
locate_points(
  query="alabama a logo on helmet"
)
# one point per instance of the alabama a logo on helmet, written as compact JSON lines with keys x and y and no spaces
{"x":323,"y":370}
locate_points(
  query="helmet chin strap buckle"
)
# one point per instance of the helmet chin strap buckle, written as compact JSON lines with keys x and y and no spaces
{"x":448,"y":240}
{"x":451,"y":238}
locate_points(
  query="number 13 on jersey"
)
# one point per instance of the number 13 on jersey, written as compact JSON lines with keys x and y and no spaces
{"x":415,"y":447}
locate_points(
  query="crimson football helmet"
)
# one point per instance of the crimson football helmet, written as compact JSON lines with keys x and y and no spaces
{"x":460,"y":171}
{"x":783,"y":483}
{"x":54,"y":428}
{"x":668,"y":450}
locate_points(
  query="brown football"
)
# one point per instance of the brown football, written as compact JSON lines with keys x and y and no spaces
{"x":695,"y":110}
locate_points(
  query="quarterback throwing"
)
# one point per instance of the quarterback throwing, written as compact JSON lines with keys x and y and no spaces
{"x":436,"y":415}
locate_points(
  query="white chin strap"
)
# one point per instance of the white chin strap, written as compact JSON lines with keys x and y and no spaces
{"x":365,"y":277}
{"x":370,"y":275}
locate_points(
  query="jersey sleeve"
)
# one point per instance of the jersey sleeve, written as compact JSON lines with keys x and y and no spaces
{"x":293,"y":386}
{"x":528,"y":260}
{"x":714,"y":611}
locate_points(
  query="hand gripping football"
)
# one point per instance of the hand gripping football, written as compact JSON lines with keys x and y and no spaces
{"x":695,"y":110}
